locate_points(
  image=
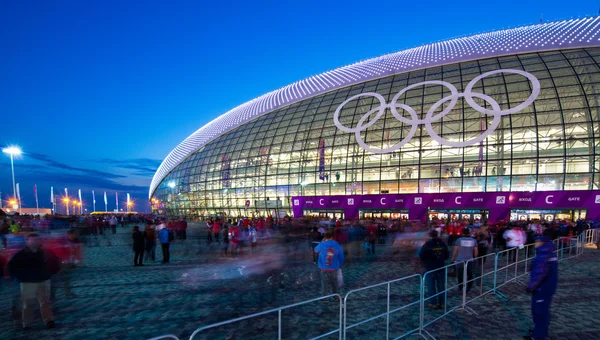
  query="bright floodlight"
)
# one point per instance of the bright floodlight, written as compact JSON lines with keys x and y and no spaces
{"x":12,"y":150}
{"x":171,"y":184}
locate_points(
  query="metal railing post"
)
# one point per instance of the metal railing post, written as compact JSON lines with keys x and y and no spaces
{"x":279,"y":325}
{"x":387,"y":324}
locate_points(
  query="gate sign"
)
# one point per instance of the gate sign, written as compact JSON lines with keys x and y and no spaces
{"x":499,"y":204}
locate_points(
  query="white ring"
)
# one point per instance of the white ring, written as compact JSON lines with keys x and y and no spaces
{"x":414,"y":122}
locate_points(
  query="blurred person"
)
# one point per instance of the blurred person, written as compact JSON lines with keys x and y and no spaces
{"x":33,"y":266}
{"x":514,"y":239}
{"x":112,"y":222}
{"x":209,"y":229}
{"x":542,"y":285}
{"x":4,"y":230}
{"x":164,"y":238}
{"x":434,"y":254}
{"x":14,"y":227}
{"x":150,"y":242}
{"x":483,"y":238}
{"x":225,"y":246}
{"x":184,"y":227}
{"x":331,"y":259}
{"x":72,"y":259}
{"x":465,"y":249}
{"x":138,"y":246}
{"x":371,"y":238}
{"x":316,"y":238}
{"x":216,"y":229}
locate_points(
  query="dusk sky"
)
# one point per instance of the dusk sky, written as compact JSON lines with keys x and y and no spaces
{"x":97,"y":93}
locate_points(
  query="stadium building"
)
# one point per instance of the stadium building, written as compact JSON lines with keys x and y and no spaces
{"x":503,"y":125}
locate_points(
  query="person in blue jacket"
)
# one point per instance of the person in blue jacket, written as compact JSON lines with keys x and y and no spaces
{"x":331,"y":258}
{"x":163,"y":237}
{"x":542,"y":285}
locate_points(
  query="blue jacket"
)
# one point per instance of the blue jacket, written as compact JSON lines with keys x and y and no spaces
{"x":163,"y":235}
{"x":331,"y":255}
{"x":544,"y":270}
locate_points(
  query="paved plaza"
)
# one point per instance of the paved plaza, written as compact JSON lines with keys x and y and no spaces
{"x":114,"y":300}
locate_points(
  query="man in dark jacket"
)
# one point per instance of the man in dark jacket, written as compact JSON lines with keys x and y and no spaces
{"x":434,"y":254}
{"x":33,"y":266}
{"x":138,"y":246}
{"x":542,"y":284}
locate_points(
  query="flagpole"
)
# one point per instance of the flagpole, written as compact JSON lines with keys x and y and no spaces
{"x":52,"y":200}
{"x":37,"y":206}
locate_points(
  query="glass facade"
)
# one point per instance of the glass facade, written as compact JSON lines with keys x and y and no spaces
{"x":297,"y":150}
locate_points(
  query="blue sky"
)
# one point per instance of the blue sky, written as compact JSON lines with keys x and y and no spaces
{"x":97,"y":93}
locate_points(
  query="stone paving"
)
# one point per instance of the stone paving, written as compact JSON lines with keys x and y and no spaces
{"x":114,"y":300}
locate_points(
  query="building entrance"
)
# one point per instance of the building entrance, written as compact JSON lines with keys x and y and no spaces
{"x":383,"y":213}
{"x":547,"y":215}
{"x":469,"y":216}
{"x":329,"y":213}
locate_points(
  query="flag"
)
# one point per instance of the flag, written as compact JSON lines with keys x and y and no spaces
{"x":117,"y":200}
{"x":322,"y":159}
{"x":93,"y":197}
{"x":128,"y":198}
{"x":80,"y":201}
{"x":105,"y":200}
{"x":19,"y":194}
{"x":52,"y":195}
{"x":66,"y":192}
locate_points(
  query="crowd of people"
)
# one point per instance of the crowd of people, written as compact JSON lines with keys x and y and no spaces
{"x":333,"y":244}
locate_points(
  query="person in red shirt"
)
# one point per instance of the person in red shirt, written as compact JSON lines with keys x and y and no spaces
{"x":234,"y":239}
{"x":216,"y":230}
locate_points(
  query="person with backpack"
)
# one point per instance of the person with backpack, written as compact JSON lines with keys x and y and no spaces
{"x":164,"y":236}
{"x":331,"y":259}
{"x":434,"y":254}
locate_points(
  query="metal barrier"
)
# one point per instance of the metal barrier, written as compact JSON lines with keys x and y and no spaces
{"x":569,"y":247}
{"x":433,"y":275}
{"x":591,"y":238}
{"x":508,"y":266}
{"x":484,"y":280}
{"x":168,"y":336}
{"x":279,"y":312}
{"x":389,"y":311}
{"x":514,"y":257}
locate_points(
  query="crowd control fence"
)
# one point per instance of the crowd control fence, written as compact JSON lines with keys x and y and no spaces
{"x":200,"y":332}
{"x":591,"y":238}
{"x":480,"y":276}
{"x":407,"y":301}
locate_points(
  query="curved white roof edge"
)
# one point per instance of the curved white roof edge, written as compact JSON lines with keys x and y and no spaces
{"x":566,"y":34}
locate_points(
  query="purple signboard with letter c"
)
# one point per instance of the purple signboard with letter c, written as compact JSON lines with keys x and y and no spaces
{"x":499,"y":204}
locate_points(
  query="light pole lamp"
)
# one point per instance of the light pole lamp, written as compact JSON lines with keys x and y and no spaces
{"x":13,"y":151}
{"x":66,"y":200}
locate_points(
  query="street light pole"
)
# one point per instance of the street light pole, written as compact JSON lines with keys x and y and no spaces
{"x":12,"y":151}
{"x":12,"y":167}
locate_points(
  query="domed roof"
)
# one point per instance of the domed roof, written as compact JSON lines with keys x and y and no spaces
{"x":566,"y":34}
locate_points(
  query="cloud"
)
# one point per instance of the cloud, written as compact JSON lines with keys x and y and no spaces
{"x":52,"y":163}
{"x":140,"y":166}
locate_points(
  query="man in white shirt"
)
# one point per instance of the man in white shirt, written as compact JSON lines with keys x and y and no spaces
{"x":514,"y":240}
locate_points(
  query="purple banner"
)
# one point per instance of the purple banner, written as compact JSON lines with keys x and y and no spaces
{"x":499,"y":204}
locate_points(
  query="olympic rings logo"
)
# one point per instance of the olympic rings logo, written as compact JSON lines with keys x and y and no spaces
{"x":430,"y":118}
